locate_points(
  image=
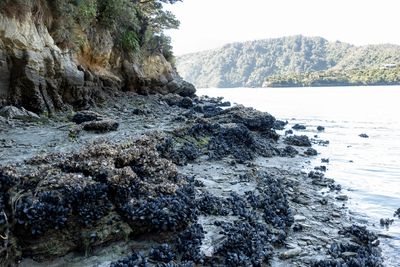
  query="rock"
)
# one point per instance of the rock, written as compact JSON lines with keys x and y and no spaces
{"x":299,"y":218}
{"x":386,"y":222}
{"x":11,"y":112}
{"x":290,"y":253}
{"x":181,"y":87}
{"x":299,"y":127}
{"x":100,"y":126}
{"x":323,"y":201}
{"x":209,"y":110}
{"x":289,"y":151}
{"x":177,"y":100}
{"x":253,"y":119}
{"x":280,"y":125}
{"x":297,"y":140}
{"x":315,"y":175}
{"x":336,"y":214}
{"x":288,"y":132}
{"x":138,"y":111}
{"x":311,"y":152}
{"x":297,"y":227}
{"x":320,"y":168}
{"x":85,"y":116}
{"x":342,"y":198}
{"x":397,"y":213}
{"x":363,"y":135}
{"x":325,"y":160}
{"x":320,"y":128}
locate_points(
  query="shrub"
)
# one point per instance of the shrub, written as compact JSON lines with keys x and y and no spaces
{"x":130,"y":42}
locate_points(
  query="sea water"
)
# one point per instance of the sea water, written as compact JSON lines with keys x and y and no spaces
{"x":367,"y":168}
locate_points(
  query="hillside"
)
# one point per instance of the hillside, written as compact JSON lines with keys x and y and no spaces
{"x":251,"y":64}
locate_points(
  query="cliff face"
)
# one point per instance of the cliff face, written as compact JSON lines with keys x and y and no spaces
{"x":36,"y":74}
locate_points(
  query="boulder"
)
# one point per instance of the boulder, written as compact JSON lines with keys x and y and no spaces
{"x":181,"y":87}
{"x":101,"y":126}
{"x":299,"y":127}
{"x":11,"y":112}
{"x":85,"y":116}
{"x":280,"y":125}
{"x":253,"y":119}
{"x":311,"y":152}
{"x":177,"y":100}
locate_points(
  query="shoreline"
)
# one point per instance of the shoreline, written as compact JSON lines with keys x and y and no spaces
{"x":311,"y":223}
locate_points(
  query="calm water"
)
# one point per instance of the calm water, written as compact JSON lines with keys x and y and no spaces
{"x":368,"y":169}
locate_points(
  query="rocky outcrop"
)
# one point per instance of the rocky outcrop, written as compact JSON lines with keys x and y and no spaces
{"x":40,"y":76}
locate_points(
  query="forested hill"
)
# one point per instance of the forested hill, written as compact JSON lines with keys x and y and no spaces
{"x":252,"y":64}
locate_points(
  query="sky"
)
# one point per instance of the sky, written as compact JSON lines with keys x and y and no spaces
{"x":207,"y":24}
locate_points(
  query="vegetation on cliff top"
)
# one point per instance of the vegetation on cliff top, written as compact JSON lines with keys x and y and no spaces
{"x":136,"y":25}
{"x":251,"y":64}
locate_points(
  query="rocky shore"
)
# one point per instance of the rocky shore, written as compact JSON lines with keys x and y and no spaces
{"x":169,"y":180}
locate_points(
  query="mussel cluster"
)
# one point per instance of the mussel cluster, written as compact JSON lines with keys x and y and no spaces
{"x":38,"y":215}
{"x":211,"y":205}
{"x":6,"y":182}
{"x":134,"y":260}
{"x":164,"y":213}
{"x":189,"y":242}
{"x":363,"y":252}
{"x":246,"y":244}
{"x":91,"y":203}
{"x":103,"y":189}
{"x":162,"y":253}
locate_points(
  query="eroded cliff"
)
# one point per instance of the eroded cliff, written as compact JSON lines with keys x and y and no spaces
{"x":43,"y":77}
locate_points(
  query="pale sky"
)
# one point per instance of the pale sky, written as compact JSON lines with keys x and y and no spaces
{"x":207,"y":24}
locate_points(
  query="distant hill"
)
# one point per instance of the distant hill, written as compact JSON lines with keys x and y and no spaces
{"x":291,"y":61}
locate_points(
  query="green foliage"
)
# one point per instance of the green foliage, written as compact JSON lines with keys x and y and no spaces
{"x":380,"y":76}
{"x":86,"y":12}
{"x":63,"y":29}
{"x":249,"y":64}
{"x":130,"y":42}
{"x":135,"y":24}
{"x":109,"y":12}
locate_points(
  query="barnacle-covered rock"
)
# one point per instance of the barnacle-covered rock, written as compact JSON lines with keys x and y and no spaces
{"x":253,"y":119}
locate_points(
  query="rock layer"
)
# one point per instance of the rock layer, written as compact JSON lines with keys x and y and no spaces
{"x":40,"y":76}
